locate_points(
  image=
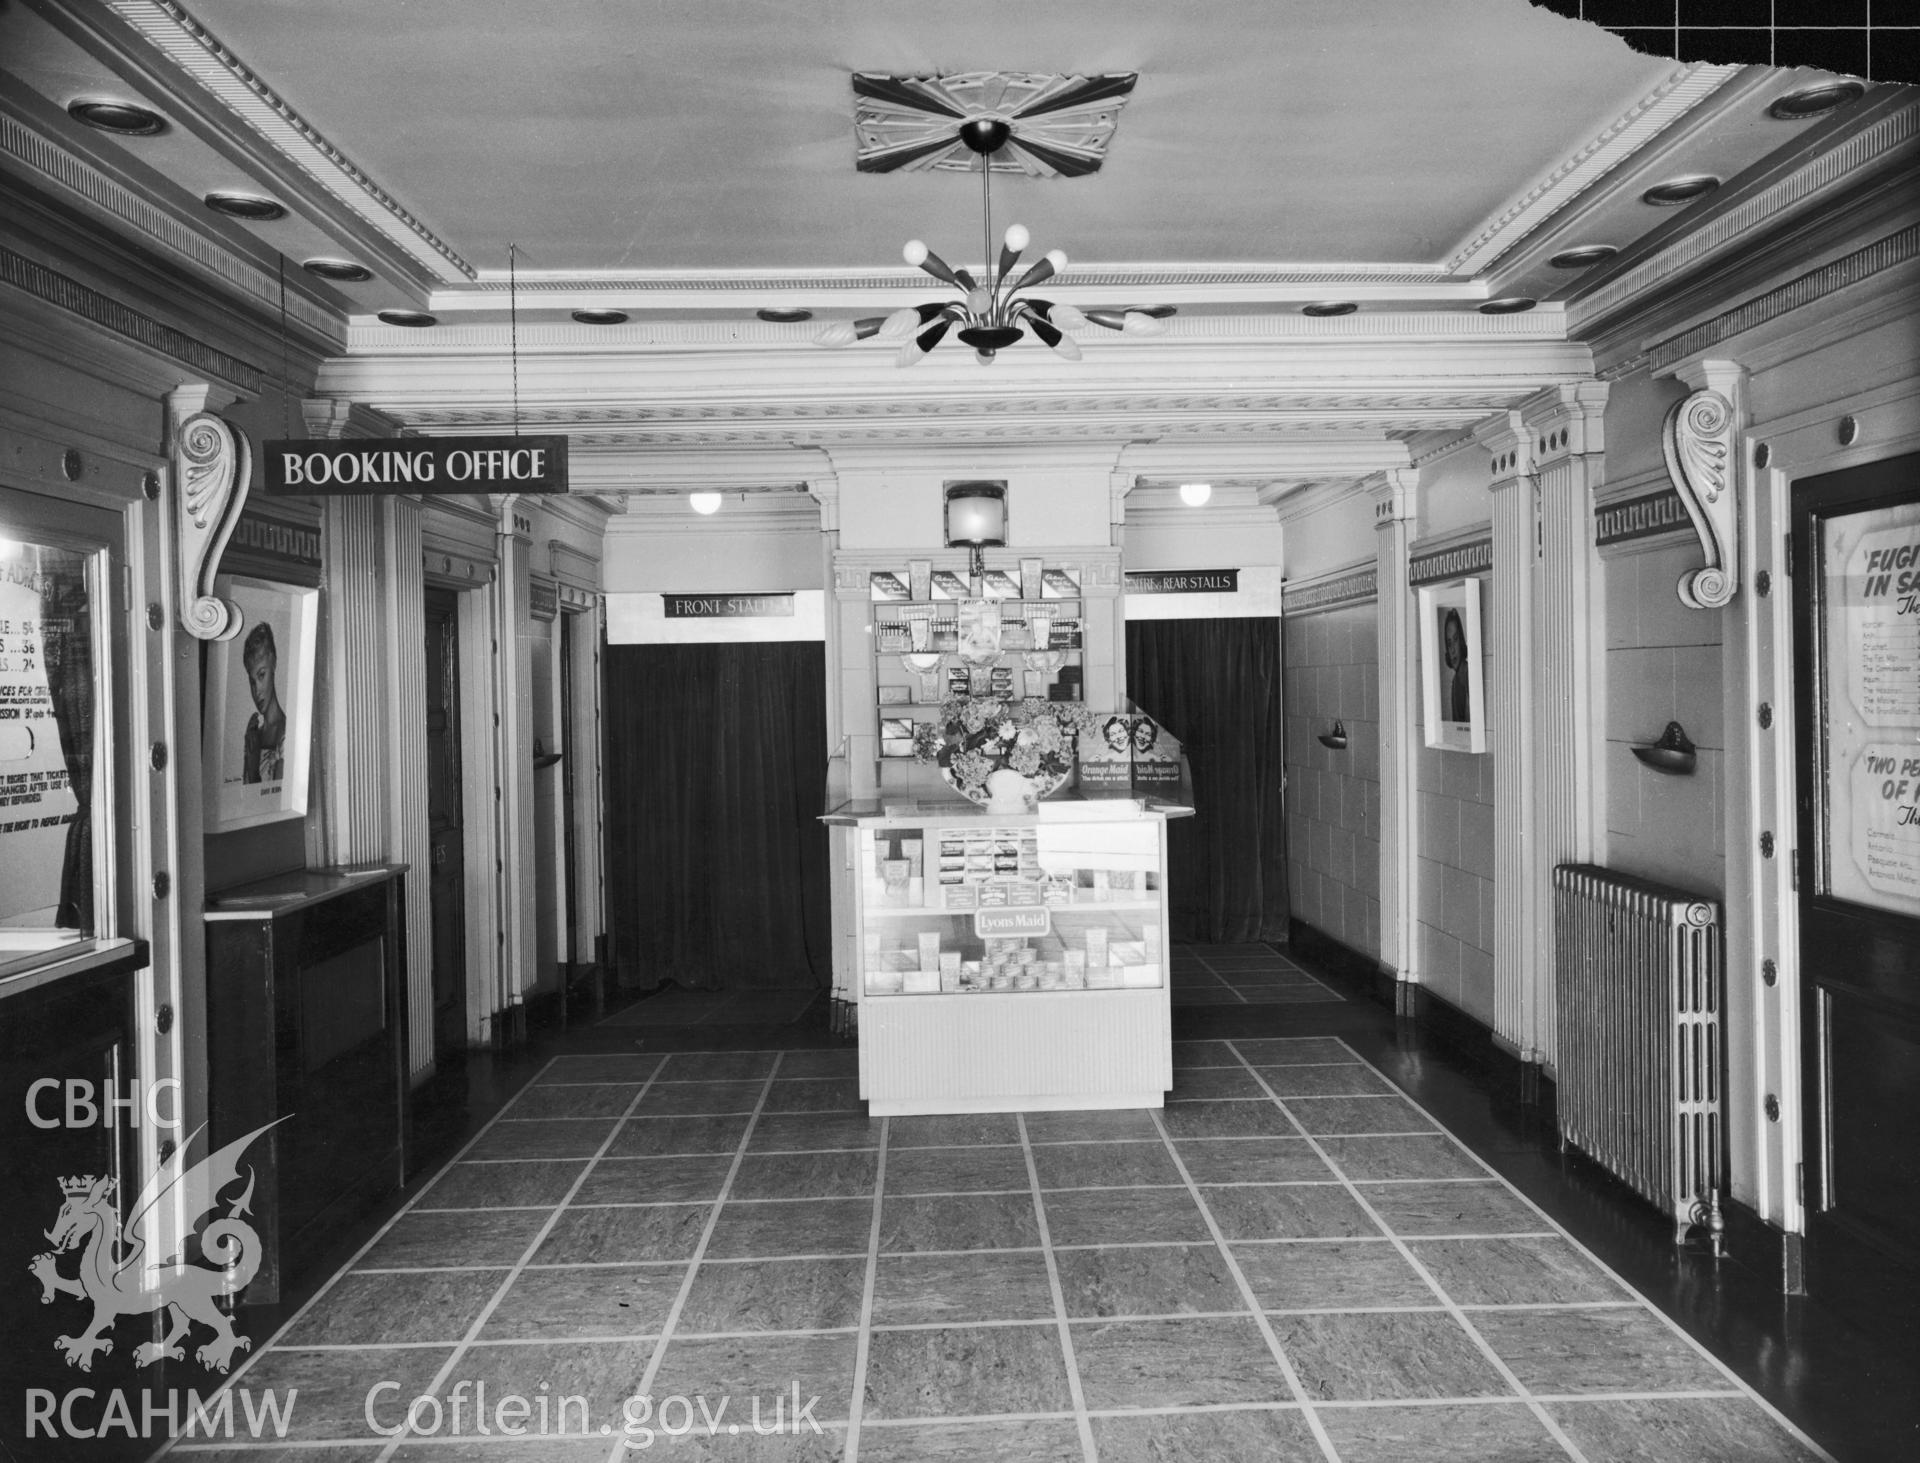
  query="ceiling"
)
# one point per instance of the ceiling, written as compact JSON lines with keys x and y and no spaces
{"x":691,"y":161}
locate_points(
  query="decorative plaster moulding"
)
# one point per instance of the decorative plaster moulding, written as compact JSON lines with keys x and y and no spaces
{"x":1061,"y":124}
{"x":1336,"y":589}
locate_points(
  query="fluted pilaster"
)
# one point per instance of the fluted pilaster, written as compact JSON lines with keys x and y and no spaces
{"x":404,"y":655}
{"x":1395,"y":510}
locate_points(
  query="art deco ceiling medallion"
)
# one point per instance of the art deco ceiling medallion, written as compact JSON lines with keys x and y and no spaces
{"x":1059,"y":126}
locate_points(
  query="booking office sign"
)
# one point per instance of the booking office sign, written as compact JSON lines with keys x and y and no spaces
{"x":428,"y":465}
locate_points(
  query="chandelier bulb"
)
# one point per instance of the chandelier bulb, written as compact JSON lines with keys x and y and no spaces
{"x":979,"y":301}
{"x":899,"y":323}
{"x":910,"y":354}
{"x":1067,"y":346}
{"x":1018,"y":238}
{"x":841,"y":332}
{"x":984,"y":358}
{"x":915,"y":253}
{"x":1057,"y":258}
{"x":1136,"y":322}
{"x":1067,"y":317}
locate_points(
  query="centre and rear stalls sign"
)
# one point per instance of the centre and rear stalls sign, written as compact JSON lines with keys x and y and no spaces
{"x":415,"y":465}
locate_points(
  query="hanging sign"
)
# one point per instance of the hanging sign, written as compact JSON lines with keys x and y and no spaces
{"x":1183,"y":581}
{"x":393,"y":465}
{"x":727,"y":606}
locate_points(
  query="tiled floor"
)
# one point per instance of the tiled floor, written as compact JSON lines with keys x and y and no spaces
{"x":1243,"y":975}
{"x":1290,"y":1261}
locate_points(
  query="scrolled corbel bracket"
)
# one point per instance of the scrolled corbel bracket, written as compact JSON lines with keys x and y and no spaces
{"x":213,"y":470}
{"x":1699,"y":445}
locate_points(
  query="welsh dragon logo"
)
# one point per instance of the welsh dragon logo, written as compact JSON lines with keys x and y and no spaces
{"x":147,"y":1268}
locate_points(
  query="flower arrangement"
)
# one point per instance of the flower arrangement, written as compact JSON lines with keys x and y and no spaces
{"x":979,"y":736}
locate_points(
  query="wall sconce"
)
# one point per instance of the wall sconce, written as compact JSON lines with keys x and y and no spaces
{"x":1672,"y":753}
{"x":976,"y":520}
{"x":541,"y":757}
{"x":1335,"y":739}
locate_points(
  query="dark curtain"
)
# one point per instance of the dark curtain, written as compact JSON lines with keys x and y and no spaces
{"x":717,"y":861}
{"x":1215,"y":684}
{"x":66,"y":643}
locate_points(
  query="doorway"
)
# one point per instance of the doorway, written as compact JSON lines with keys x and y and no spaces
{"x":445,"y":822}
{"x":1856,"y":556}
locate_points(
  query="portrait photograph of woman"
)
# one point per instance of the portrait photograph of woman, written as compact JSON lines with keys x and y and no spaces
{"x":1450,"y":655}
{"x":258,"y":713}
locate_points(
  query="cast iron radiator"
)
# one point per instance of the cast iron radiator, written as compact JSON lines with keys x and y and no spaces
{"x":1641,"y":1073}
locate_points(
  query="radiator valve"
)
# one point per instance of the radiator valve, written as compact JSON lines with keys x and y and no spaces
{"x":1706,"y":1214}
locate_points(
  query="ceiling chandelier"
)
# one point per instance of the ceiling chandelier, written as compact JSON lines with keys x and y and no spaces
{"x":991,"y":313}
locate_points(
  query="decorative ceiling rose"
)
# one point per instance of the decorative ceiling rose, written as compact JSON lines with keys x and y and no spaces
{"x":601,"y":317}
{"x":1815,"y":101}
{"x":412,"y":319}
{"x":1511,"y":305}
{"x":344,"y":270}
{"x":1330,"y":307}
{"x":246,"y":205}
{"x":124,"y":118}
{"x":1059,"y":126}
{"x":1676,"y":191}
{"x":989,"y":312}
{"x":1583,"y":256}
{"x":784,"y":315}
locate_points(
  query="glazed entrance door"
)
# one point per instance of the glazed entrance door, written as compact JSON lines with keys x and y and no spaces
{"x":1856,"y":554}
{"x":444,"y":823}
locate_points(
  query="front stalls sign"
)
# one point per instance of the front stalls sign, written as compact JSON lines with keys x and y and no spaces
{"x":393,"y":465}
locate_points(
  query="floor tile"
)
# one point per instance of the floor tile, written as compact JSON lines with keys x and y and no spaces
{"x":1252,"y":1161}
{"x":743,"y":1368}
{"x":966,"y":1370}
{"x":985,"y":1286}
{"x":842,"y":1062}
{"x":775,"y":1132}
{"x":1418,"y":1157}
{"x":333,"y":1387}
{"x":700,"y":1098}
{"x":364,"y":1310}
{"x":976,"y":1169}
{"x":1613,"y":1350}
{"x":587,"y":1236}
{"x":1268,"y":1435}
{"x":1123,"y":1216}
{"x":643,"y":1135}
{"x":1227,"y":1119}
{"x":1505,"y":1272}
{"x":1288,"y":1211}
{"x":723,"y":1066}
{"x":783,"y":1445}
{"x":1302,"y":993}
{"x":1279,"y":1051}
{"x":792,"y":1227}
{"x":610,"y":1067}
{"x":1103,"y":1165}
{"x":655,"y":1180}
{"x":469,"y":1237}
{"x":1203,"y":1054}
{"x":1359,"y":1115}
{"x":1365,"y":1356}
{"x":1451,"y":1208}
{"x":474,"y":1449}
{"x":1342,"y":1276}
{"x":1502,"y":1433}
{"x":594,"y":1300}
{"x":1055,"y":1440}
{"x":502,"y":1185}
{"x":560,"y":1138}
{"x":950,"y":1129}
{"x":958,"y":1222}
{"x":815,"y":1094}
{"x":1698,"y":1429}
{"x":1147,"y":1281}
{"x":805,"y":1175}
{"x":775,"y":1295}
{"x":595,"y":1100}
{"x":1098,"y":1126}
{"x":1339,"y":1079}
{"x":1175,"y":1363}
{"x":605,"y":1373}
{"x":1201,"y":1082}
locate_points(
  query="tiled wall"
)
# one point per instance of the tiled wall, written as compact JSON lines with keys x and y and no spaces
{"x":1663,"y":664}
{"x":1331,"y":665}
{"x":1453,"y":877}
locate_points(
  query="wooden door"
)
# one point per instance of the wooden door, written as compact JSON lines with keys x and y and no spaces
{"x":445,"y":830}
{"x":1856,"y":556}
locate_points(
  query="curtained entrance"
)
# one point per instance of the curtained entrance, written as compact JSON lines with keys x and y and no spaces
{"x":1215,"y":684}
{"x":716,"y":862}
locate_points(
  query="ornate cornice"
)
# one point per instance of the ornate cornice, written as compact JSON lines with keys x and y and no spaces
{"x":69,"y":294}
{"x":1338,"y":590}
{"x":1454,"y":561}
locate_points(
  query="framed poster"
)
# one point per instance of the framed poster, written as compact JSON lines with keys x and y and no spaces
{"x":257,"y":733}
{"x":1451,"y":666}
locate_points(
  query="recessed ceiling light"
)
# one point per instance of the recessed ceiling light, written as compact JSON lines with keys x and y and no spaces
{"x":246,"y":205}
{"x":1195,"y":494}
{"x":414,"y":319}
{"x":601,"y":317}
{"x":1583,"y":256}
{"x":1815,"y":101}
{"x":344,"y":270}
{"x":1330,"y":307}
{"x":784,"y":315}
{"x":1680,"y":190}
{"x":122,"y":117}
{"x":704,"y":502}
{"x":1511,"y":305}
